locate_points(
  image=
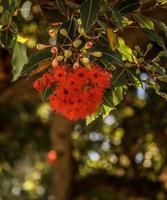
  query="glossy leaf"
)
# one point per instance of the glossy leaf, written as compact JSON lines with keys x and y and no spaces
{"x":119,"y":77}
{"x":126,"y":51}
{"x":154,"y":37}
{"x":144,"y":22}
{"x":134,"y":79}
{"x":116,"y":18}
{"x":106,"y":110}
{"x":89,"y":11}
{"x":163,"y":27}
{"x":94,"y":116}
{"x":118,"y":94}
{"x":19,"y":58}
{"x":36,"y":60}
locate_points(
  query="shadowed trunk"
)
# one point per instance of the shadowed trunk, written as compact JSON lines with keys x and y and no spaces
{"x":61,"y":141}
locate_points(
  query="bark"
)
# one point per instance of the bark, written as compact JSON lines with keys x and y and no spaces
{"x":63,"y":173}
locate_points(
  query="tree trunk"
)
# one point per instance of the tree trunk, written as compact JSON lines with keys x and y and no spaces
{"x":63,"y":172}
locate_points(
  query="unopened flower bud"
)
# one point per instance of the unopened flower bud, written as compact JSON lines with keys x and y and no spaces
{"x":88,"y":45}
{"x":79,"y":21}
{"x":41,"y":46}
{"x":54,"y":50}
{"x":97,"y":54}
{"x":63,"y":31}
{"x":77,"y":43}
{"x":60,"y":58}
{"x":67,"y":53}
{"x":55,"y":62}
{"x":85,"y":60}
{"x":52,"y":33}
{"x":81,"y":31}
{"x":75,"y":65}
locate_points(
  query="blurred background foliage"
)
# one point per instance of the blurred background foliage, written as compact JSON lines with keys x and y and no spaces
{"x":122,"y":156}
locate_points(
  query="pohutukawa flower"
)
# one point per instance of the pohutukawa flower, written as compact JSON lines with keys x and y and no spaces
{"x":78,"y":92}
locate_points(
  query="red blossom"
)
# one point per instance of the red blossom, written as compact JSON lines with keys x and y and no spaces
{"x":78,"y":93}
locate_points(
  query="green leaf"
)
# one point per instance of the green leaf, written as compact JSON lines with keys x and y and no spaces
{"x":26,"y":9}
{"x":92,"y":117}
{"x":154,"y":37}
{"x":116,"y":18}
{"x":6,"y":18}
{"x":127,"y":6}
{"x":134,"y":79}
{"x":106,"y":110}
{"x":46,"y":93}
{"x":119,"y":77}
{"x":6,"y":37}
{"x":35,"y":60}
{"x":89,"y":11}
{"x":144,"y":22}
{"x":163,"y":27}
{"x":19,"y":58}
{"x":108,"y":101}
{"x":118,"y":94}
{"x":126,"y":51}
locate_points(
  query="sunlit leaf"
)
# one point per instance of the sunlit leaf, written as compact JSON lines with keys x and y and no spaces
{"x":126,"y":51}
{"x":144,"y":22}
{"x":134,"y":79}
{"x":22,"y":39}
{"x":19,"y":58}
{"x":163,"y":27}
{"x":118,"y":94}
{"x":94,"y":116}
{"x":106,"y":110}
{"x":26,"y":9}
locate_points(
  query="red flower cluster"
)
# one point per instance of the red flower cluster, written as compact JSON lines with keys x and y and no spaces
{"x":78,"y":93}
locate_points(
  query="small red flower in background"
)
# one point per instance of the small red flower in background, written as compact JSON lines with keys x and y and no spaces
{"x":78,"y":93}
{"x":52,"y":157}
